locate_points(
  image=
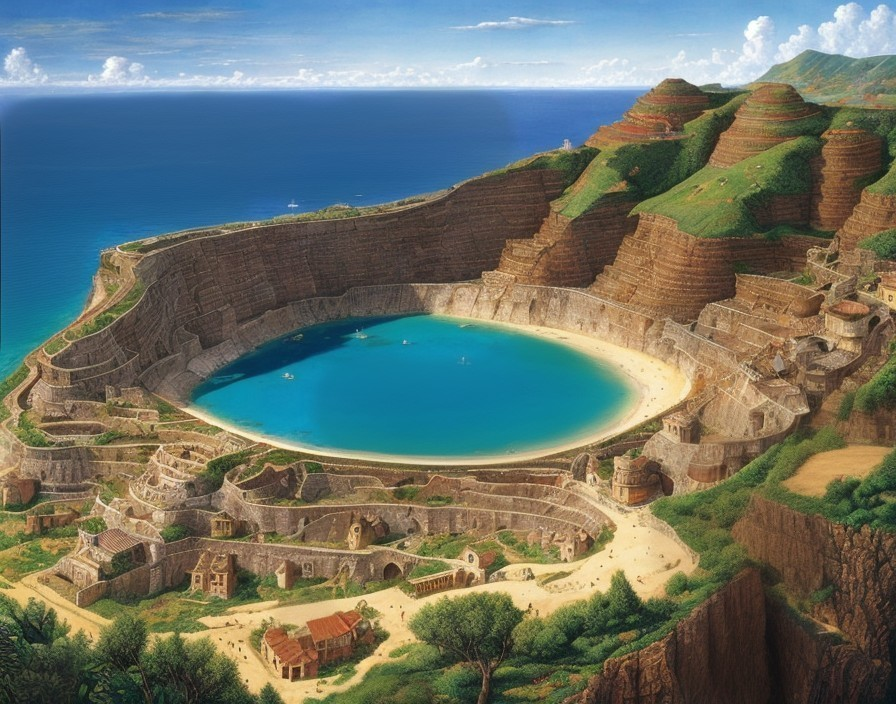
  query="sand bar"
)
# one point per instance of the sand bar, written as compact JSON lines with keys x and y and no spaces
{"x":656,"y":386}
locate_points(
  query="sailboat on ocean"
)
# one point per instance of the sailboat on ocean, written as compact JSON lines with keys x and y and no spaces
{"x":292,"y":204}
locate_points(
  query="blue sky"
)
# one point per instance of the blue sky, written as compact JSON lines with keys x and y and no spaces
{"x":97,"y":44}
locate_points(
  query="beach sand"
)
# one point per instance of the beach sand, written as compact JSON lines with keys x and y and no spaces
{"x":656,"y":385}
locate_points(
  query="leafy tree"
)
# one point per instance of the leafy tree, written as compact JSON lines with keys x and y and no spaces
{"x":269,"y":695}
{"x":123,"y":645}
{"x":475,"y":628}
{"x":194,"y":673}
{"x":539,"y":639}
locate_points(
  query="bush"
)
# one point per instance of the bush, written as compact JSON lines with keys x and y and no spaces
{"x":94,"y":525}
{"x":880,"y":391}
{"x":844,"y":410}
{"x":677,"y":584}
{"x":175,"y":532}
{"x":214,"y":472}
{"x":883,"y":244}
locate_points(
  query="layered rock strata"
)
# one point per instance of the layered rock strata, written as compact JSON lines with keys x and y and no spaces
{"x":717,"y":654}
{"x":567,"y":251}
{"x":875,"y":213}
{"x":773,"y":114}
{"x":203,"y":292}
{"x":662,"y":112}
{"x":847,"y":157}
{"x":667,"y":272}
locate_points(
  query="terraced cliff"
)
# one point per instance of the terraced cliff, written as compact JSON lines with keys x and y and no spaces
{"x":774,"y":113}
{"x":661,"y":112}
{"x":209,"y":290}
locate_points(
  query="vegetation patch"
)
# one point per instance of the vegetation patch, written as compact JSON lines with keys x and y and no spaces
{"x":719,"y":202}
{"x":213,"y":474}
{"x":7,"y":386}
{"x":30,"y":434}
{"x":108,"y":317}
{"x":883,"y":244}
{"x":880,"y":391}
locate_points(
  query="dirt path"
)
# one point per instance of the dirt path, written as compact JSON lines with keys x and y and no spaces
{"x":79,"y":619}
{"x":820,"y":470}
{"x":646,"y":555}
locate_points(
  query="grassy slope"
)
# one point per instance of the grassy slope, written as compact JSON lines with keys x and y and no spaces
{"x":646,"y":169}
{"x":717,"y":202}
{"x":833,"y":78}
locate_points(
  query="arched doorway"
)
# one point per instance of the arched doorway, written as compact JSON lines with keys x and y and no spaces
{"x":391,"y":571}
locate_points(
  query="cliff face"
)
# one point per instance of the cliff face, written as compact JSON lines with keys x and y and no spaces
{"x":741,"y":646}
{"x":875,"y":213}
{"x":716,"y":655}
{"x":811,"y":553}
{"x":846,"y":157}
{"x":671,"y":273}
{"x":570,"y":251}
{"x":199,"y":292}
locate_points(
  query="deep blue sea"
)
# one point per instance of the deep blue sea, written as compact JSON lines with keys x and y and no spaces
{"x":81,"y":173}
{"x":358,"y":386}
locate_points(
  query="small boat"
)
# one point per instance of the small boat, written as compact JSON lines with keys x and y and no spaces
{"x":405,"y":342}
{"x":292,"y":204}
{"x":288,"y":376}
{"x":297,"y":338}
{"x":360,"y":335}
{"x":466,"y":325}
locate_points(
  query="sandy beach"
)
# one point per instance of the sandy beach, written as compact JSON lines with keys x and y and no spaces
{"x":656,"y":386}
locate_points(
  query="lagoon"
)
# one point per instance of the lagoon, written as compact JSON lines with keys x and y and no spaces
{"x":418,"y":387}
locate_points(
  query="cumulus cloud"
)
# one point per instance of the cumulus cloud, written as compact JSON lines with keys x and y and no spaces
{"x":852,"y":31}
{"x":21,"y":69}
{"x":117,"y":70}
{"x":757,"y":52}
{"x":515,"y":23}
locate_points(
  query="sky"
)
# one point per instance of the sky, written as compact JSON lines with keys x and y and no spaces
{"x":51,"y":45}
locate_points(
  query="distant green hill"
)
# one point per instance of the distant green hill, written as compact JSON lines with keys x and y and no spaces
{"x":839,"y":80}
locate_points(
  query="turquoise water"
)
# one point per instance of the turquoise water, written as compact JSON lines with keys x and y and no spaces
{"x":83,"y":172}
{"x":420,"y":386}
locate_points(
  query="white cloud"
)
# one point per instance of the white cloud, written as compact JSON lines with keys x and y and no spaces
{"x":21,"y":69}
{"x":852,"y":32}
{"x":117,"y":70}
{"x":194,"y":16}
{"x":757,"y":52}
{"x":478,"y":62}
{"x":515,"y":23}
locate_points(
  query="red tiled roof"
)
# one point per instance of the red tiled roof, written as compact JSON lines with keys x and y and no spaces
{"x":287,"y":650}
{"x":486,"y":558}
{"x":115,"y":541}
{"x":333,"y":626}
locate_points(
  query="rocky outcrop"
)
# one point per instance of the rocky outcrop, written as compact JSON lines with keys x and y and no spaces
{"x":773,"y":114}
{"x":668,"y":272}
{"x":570,"y":251}
{"x":717,"y":654}
{"x":811,"y":554}
{"x":201,"y":292}
{"x":847,"y":157}
{"x":875,"y":213}
{"x":662,"y":112}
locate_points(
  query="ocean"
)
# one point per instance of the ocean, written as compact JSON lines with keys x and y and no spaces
{"x":79,"y":173}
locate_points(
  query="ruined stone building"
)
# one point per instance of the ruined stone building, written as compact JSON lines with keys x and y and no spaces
{"x":365,"y":530}
{"x":214,"y":574}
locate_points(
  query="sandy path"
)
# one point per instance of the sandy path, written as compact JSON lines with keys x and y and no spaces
{"x":658,"y":386}
{"x":79,"y":619}
{"x":647,"y":556}
{"x":820,"y":470}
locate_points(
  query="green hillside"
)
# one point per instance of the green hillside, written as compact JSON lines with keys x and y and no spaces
{"x":836,"y":79}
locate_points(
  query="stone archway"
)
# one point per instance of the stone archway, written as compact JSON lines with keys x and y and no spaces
{"x":391,"y":571}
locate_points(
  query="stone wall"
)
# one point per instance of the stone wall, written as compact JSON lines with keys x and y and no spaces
{"x":220,"y":290}
{"x":874,"y":213}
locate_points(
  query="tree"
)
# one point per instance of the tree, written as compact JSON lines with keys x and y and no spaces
{"x":269,"y":695}
{"x":476,"y":628}
{"x":123,"y":645}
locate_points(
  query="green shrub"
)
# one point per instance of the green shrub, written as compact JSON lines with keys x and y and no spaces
{"x":175,"y":532}
{"x":406,"y":493}
{"x":94,"y":524}
{"x":844,"y":410}
{"x":883,"y":244}
{"x":213,"y":474}
{"x":29,"y":434}
{"x":880,"y":391}
{"x":108,"y":437}
{"x":677,"y":584}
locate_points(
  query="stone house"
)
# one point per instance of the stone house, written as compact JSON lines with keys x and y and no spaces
{"x":886,"y":289}
{"x":293,"y":658}
{"x":214,"y":574}
{"x":223,"y":525}
{"x":635,"y":480}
